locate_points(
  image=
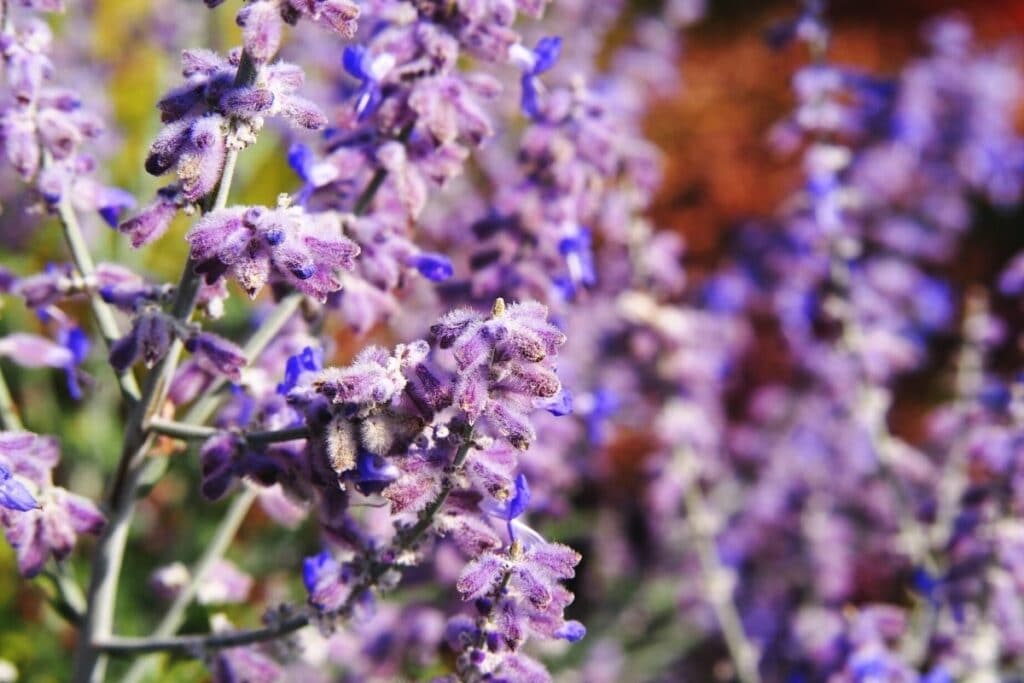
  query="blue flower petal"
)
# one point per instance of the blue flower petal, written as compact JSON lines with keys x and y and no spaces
{"x":547,"y":52}
{"x":434,"y":266}
{"x":13,"y":494}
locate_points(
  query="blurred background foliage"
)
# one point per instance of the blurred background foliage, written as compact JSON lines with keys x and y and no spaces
{"x":719,"y":172}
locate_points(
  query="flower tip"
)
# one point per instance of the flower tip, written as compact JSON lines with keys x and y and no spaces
{"x":572,"y":631}
{"x":434,"y":267}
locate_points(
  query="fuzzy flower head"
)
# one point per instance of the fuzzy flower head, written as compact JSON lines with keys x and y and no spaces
{"x":520,"y":593}
{"x":221,"y":106}
{"x":40,"y":520}
{"x":505,"y":365}
{"x":262,"y":21}
{"x":375,"y":376}
{"x":255,"y":244}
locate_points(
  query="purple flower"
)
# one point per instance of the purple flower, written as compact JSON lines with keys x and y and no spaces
{"x":13,"y":494}
{"x":217,"y":355}
{"x":511,"y":508}
{"x":375,"y":377}
{"x":167,"y":581}
{"x":152,"y":222}
{"x":337,"y":15}
{"x":112,"y":202}
{"x":368,"y":70}
{"x":326,"y":581}
{"x":30,"y":456}
{"x":224,"y":583}
{"x":573,"y":631}
{"x":148,"y":340}
{"x":504,"y":365}
{"x":520,"y":593}
{"x":261,"y":24}
{"x":46,"y":288}
{"x":51,"y":528}
{"x":374,"y":473}
{"x":241,"y":664}
{"x":76,"y":341}
{"x":34,"y":351}
{"x":305,"y":250}
{"x":577,"y":250}
{"x":533,"y":63}
{"x":309,"y":360}
{"x":217,"y":465}
{"x":433,"y":266}
{"x":200,"y":158}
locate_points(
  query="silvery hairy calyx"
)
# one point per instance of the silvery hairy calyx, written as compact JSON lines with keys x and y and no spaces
{"x":351,"y":347}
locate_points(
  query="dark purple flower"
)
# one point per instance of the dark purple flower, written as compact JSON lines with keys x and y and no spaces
{"x":152,"y":222}
{"x":148,"y":340}
{"x":217,"y":355}
{"x":374,"y":473}
{"x":217,"y":465}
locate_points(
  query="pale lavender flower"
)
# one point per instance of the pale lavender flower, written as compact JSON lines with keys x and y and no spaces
{"x":224,"y":583}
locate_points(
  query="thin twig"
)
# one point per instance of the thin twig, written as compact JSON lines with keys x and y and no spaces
{"x":101,"y":311}
{"x":117,"y":645}
{"x":89,"y":665}
{"x":184,"y":430}
{"x":9,"y":420}
{"x":718,"y":579}
{"x":229,"y":639}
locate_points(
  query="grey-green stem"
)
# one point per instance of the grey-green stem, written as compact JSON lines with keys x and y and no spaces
{"x":185,"y":430}
{"x":9,"y":420}
{"x":104,"y":315}
{"x":718,"y":579}
{"x":89,"y":665}
{"x":229,"y":525}
{"x":206,"y":406}
{"x":218,"y":641}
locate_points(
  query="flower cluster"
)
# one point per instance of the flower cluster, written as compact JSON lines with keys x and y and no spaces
{"x":517,"y":594}
{"x":220,"y":107}
{"x":256,"y":245}
{"x":40,"y":520}
{"x":43,"y":127}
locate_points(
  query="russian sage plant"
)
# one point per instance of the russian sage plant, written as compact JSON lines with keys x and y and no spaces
{"x":431,"y":371}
